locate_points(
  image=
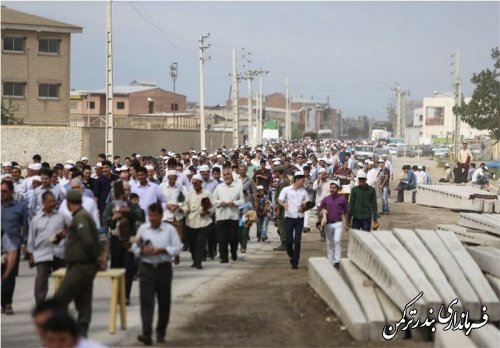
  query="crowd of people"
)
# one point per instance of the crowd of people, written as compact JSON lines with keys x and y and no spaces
{"x":140,"y":214}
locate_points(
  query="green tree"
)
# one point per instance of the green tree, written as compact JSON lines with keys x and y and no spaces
{"x":483,"y":110}
{"x":9,"y":114}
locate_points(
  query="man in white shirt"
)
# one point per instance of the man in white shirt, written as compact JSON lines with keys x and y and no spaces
{"x":88,"y":204}
{"x":157,"y":245}
{"x":147,"y":191}
{"x":371,"y":175}
{"x":175,"y":200}
{"x":293,"y":198}
{"x":228,"y":196}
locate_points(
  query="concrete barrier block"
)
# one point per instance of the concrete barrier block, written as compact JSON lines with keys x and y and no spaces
{"x":486,"y":337}
{"x":494,"y":282}
{"x":411,"y":267}
{"x":455,"y":275}
{"x":487,"y":258}
{"x":428,"y":264}
{"x":485,"y":222}
{"x":489,"y":206}
{"x":465,"y":236}
{"x":452,"y":339}
{"x":392,"y":313}
{"x":472,"y":273}
{"x":364,"y":290}
{"x":409,"y":196}
{"x":371,"y":257}
{"x":331,"y":287}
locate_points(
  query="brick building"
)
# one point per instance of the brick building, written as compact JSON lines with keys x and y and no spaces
{"x":128,"y":100}
{"x":36,"y":66}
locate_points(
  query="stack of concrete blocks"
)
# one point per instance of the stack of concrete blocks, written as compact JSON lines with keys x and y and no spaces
{"x":386,"y":270}
{"x":456,"y":198}
{"x":470,"y":237}
{"x":486,"y":222}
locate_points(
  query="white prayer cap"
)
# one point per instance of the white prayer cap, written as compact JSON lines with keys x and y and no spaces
{"x":420,"y":167}
{"x":204,"y":168}
{"x":322,"y":170}
{"x":194,"y":157}
{"x":446,"y":165}
{"x":360,"y":164}
{"x":298,"y":173}
{"x":384,"y":155}
{"x":336,"y":182}
{"x":370,"y":162}
{"x":362,"y":175}
{"x":36,"y":178}
{"x":68,"y":166}
{"x":172,"y":172}
{"x":260,"y":187}
{"x":98,"y":165}
{"x":149,"y":167}
{"x":485,"y":168}
{"x":7,"y":164}
{"x":84,"y":159}
{"x":137,"y":155}
{"x":219,"y":156}
{"x":204,"y":149}
{"x":197,"y":177}
{"x":367,"y":161}
{"x":276,"y":162}
{"x":37,"y":166}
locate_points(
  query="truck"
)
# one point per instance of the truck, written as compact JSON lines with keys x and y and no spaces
{"x":380,"y":134}
{"x":270,"y":135}
{"x":325,"y":134}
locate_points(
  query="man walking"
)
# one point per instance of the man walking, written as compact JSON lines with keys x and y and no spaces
{"x":293,"y":199}
{"x":46,"y":254}
{"x":383,"y":184}
{"x":198,"y":209}
{"x":227,"y":198}
{"x":280,"y":210}
{"x":362,"y":205}
{"x":14,"y":230}
{"x":157,"y":244}
{"x":335,"y":206}
{"x":82,"y":255}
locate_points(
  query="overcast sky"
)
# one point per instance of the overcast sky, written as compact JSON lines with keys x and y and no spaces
{"x":352,"y":52}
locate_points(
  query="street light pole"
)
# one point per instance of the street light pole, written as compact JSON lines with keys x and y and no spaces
{"x":173,"y":75}
{"x":110,"y":123}
{"x":202,"y":49}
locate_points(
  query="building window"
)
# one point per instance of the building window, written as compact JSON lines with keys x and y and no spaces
{"x":14,"y":43}
{"x":91,"y":105}
{"x":151,"y":107}
{"x":174,"y":107}
{"x":14,"y":89}
{"x":120,"y":105}
{"x":48,"y":46}
{"x":48,"y":90}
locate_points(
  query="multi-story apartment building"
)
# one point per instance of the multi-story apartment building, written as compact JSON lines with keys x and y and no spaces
{"x":36,"y":66}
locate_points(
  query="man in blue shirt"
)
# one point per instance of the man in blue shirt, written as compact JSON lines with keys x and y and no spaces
{"x":15,"y":229}
{"x":408,"y":182}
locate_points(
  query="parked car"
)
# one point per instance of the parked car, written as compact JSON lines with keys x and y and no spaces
{"x":441,"y":151}
{"x":365,"y":152}
{"x":408,"y":151}
{"x":393,"y":148}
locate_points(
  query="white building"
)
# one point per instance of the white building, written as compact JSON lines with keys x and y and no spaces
{"x":439,"y":120}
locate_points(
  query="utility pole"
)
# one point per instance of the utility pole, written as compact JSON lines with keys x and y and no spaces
{"x":251,"y":136}
{"x":260,"y":105}
{"x":109,"y":85}
{"x":236,"y":123}
{"x":288,"y":121}
{"x":458,"y":102}
{"x":202,"y":47}
{"x":400,"y":111}
{"x":173,"y":75}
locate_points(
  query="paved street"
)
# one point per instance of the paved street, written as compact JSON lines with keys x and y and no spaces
{"x":190,"y":288}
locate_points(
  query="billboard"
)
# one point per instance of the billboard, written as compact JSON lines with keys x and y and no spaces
{"x":434,"y":116}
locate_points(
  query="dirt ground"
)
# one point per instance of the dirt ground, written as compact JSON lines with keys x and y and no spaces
{"x":274,"y":306}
